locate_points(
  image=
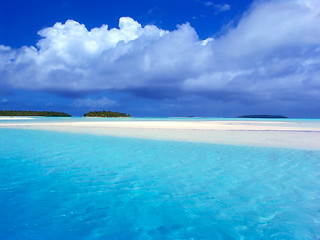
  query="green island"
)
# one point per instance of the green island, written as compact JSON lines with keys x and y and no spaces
{"x":262,"y":116}
{"x":13,"y":113}
{"x":107,"y":114}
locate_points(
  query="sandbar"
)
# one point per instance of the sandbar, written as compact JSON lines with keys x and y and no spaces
{"x":290,"y":134}
{"x":15,"y":118}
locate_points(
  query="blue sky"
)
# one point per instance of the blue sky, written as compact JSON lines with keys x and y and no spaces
{"x":161,"y":58}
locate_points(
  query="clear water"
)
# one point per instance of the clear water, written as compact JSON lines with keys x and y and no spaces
{"x":73,"y":186}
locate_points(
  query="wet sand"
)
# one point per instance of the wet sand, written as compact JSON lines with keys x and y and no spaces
{"x":291,"y":134}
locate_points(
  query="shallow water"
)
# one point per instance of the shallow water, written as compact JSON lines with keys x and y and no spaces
{"x":75,"y":186}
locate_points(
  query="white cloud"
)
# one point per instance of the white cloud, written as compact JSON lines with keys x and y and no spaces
{"x":71,"y":58}
{"x":272,"y":53}
{"x":208,"y":4}
{"x":88,"y":102}
{"x":222,"y":7}
{"x":218,"y":7}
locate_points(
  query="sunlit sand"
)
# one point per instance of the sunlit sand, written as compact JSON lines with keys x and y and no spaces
{"x":291,"y":134}
{"x":15,"y":118}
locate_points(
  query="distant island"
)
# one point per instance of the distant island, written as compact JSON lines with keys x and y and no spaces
{"x":13,"y":113}
{"x":262,"y":116}
{"x":107,"y":114}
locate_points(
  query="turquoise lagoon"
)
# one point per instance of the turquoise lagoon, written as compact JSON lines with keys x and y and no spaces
{"x":56,"y":185}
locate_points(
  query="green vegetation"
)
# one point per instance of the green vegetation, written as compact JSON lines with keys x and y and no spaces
{"x":106,"y":114}
{"x":262,"y":116}
{"x":33,"y":113}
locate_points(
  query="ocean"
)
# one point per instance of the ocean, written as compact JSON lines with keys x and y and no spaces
{"x":56,"y":185}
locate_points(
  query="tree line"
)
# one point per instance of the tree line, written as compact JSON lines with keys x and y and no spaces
{"x":262,"y":116}
{"x":106,"y":114}
{"x":33,"y":113}
{"x":13,"y":113}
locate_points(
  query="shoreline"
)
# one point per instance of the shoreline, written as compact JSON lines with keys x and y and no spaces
{"x":15,"y":118}
{"x":293,"y":135}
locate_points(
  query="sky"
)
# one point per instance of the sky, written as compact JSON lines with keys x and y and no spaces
{"x":153,"y":58}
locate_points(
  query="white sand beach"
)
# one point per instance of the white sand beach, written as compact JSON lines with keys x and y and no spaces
{"x":15,"y":118}
{"x":290,"y":134}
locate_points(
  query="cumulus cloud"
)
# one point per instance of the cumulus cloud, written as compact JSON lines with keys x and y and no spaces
{"x":272,"y":54}
{"x":69,"y":58}
{"x":93,"y":103}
